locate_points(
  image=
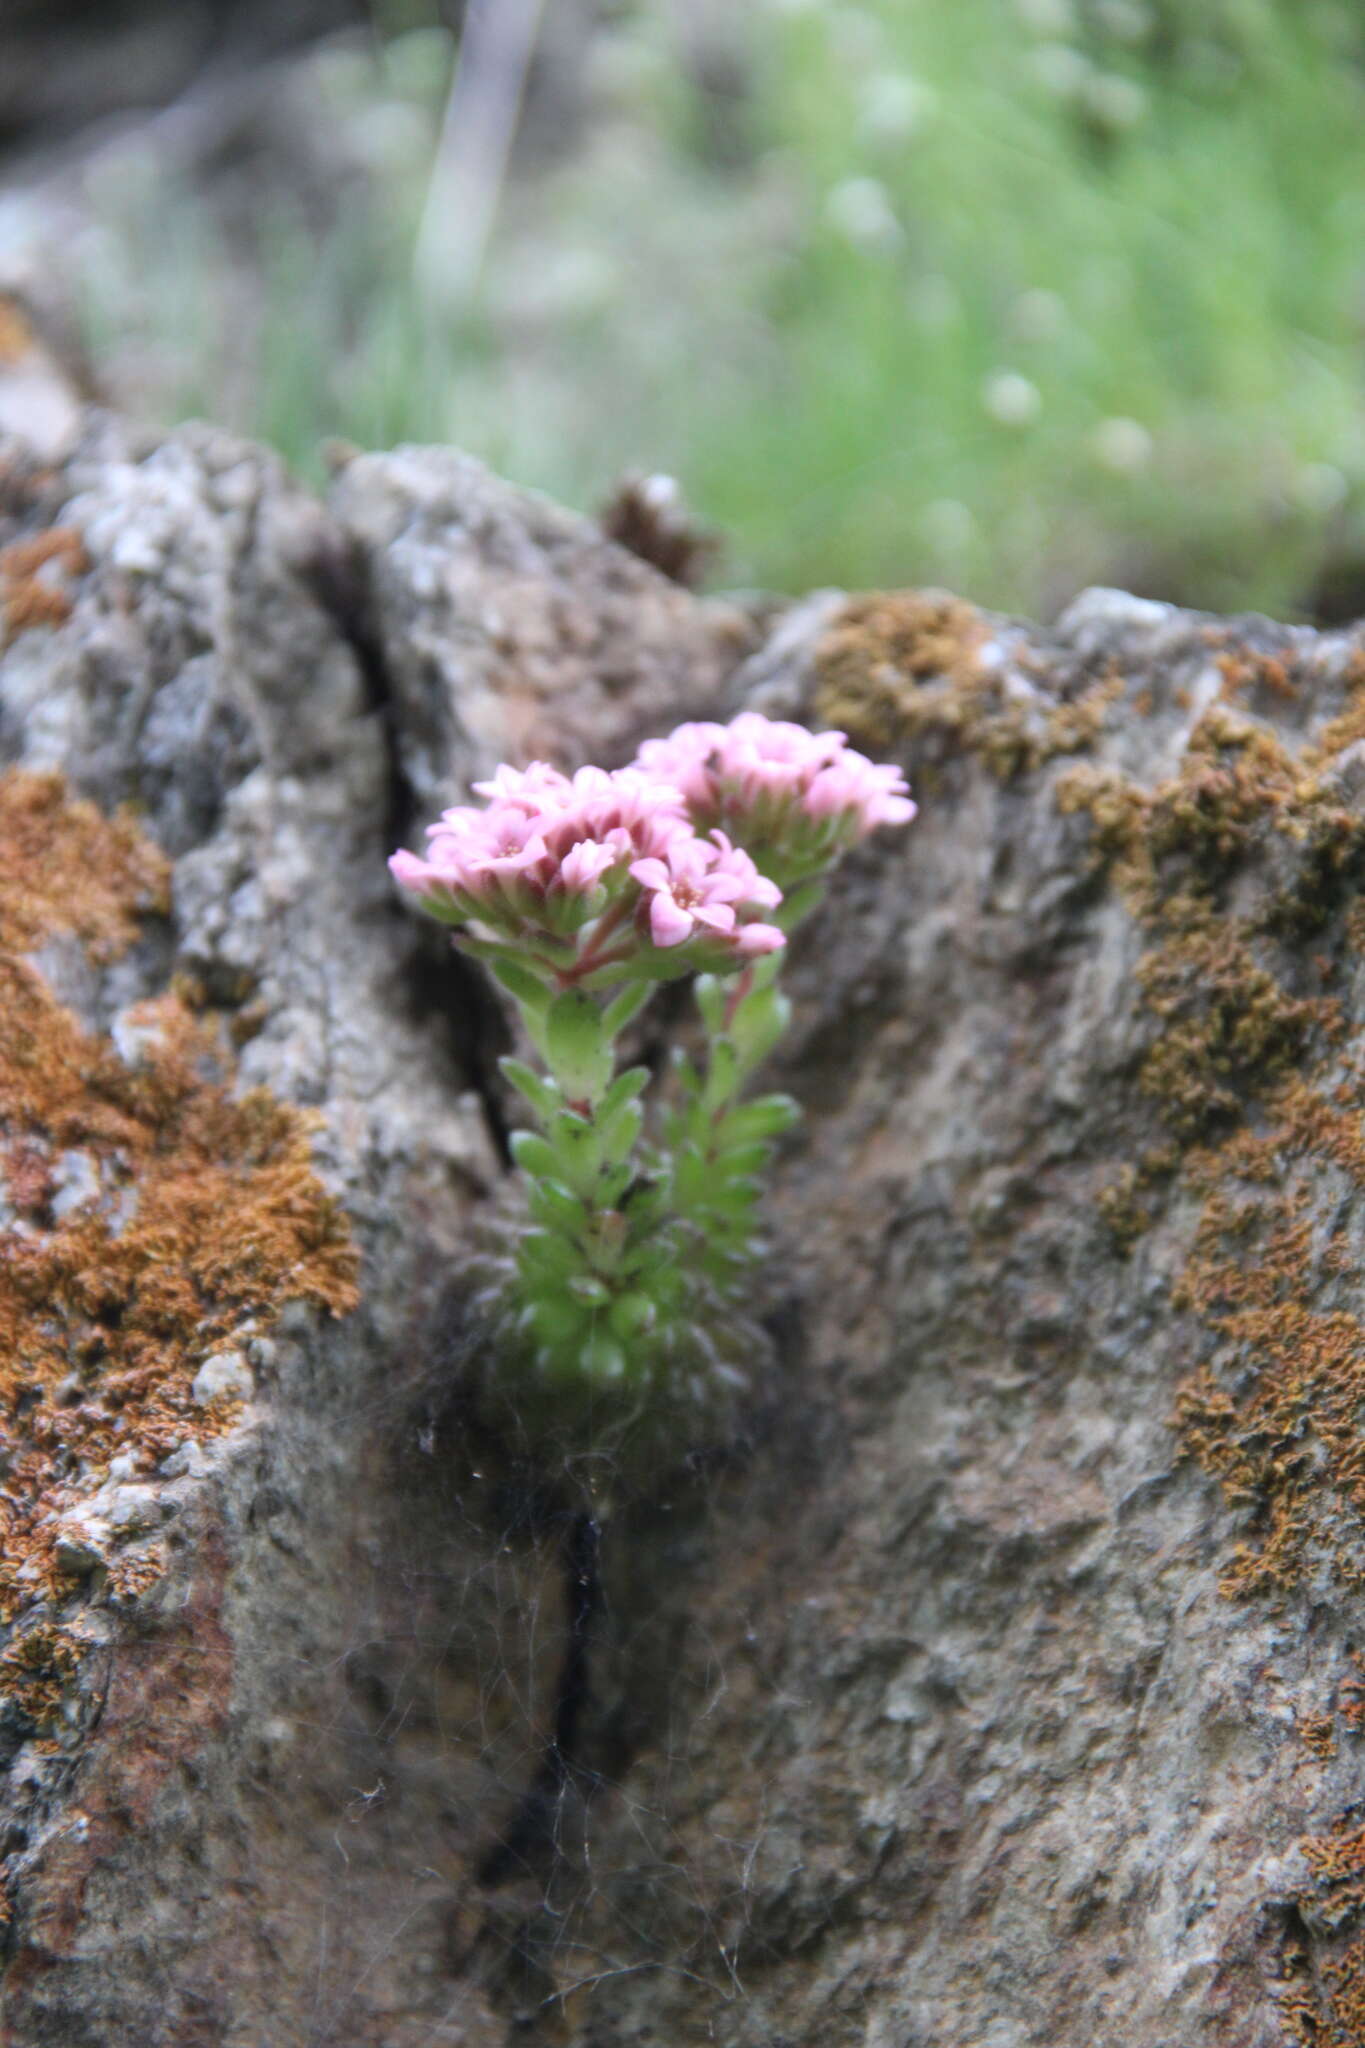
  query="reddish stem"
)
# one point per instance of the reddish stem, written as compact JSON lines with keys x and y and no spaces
{"x":743,"y":983}
{"x":594,"y":957}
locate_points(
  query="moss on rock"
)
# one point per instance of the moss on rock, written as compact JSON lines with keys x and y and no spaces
{"x":148,"y":1212}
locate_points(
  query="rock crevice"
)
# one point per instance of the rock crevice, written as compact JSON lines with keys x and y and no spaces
{"x":1005,"y":1686}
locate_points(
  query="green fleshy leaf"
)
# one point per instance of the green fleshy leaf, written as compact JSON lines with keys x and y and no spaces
{"x":516,"y":978}
{"x":617,"y":1133}
{"x":647,"y":1208}
{"x":578,"y":1049}
{"x":560,"y":1321}
{"x":757,"y":1024}
{"x":723,"y":1074}
{"x":687,"y":1076}
{"x":612,"y":1185}
{"x":648,"y":968}
{"x":544,"y":1095}
{"x":625,"y":1088}
{"x":766,"y":1117}
{"x":551,"y":1203}
{"x":689,"y":1176}
{"x":545,"y":1255}
{"x":443,"y":907}
{"x":736,"y":1161}
{"x":587,"y":1288}
{"x":647,"y":1260}
{"x":534,"y":1156}
{"x":602,"y":1357}
{"x":797,"y":905}
{"x":632,"y":1315}
{"x":625,"y":1008}
{"x":578,"y":1157}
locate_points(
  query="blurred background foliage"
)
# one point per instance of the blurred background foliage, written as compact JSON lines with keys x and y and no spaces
{"x":1008,"y":295}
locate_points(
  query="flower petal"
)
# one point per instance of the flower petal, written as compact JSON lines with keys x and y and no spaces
{"x":669,"y":924}
{"x":759,"y":938}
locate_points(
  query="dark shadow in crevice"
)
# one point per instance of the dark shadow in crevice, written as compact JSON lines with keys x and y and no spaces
{"x":530,"y":1838}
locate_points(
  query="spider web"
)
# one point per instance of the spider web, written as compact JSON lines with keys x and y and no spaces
{"x":506,"y":1836}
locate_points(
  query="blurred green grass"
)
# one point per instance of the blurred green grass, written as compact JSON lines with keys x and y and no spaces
{"x":1008,"y":297}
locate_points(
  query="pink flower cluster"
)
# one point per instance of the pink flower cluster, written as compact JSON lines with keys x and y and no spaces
{"x":698,"y":883}
{"x":592,"y":871}
{"x":542,"y":836}
{"x":804,"y":795}
{"x":584,"y":870}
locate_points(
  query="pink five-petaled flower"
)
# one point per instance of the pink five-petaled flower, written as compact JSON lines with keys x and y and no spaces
{"x":587,"y":860}
{"x":532,"y":786}
{"x":772,"y":777}
{"x":693,"y":888}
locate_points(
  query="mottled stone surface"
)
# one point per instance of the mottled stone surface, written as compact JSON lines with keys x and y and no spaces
{"x":504,"y":622}
{"x":947,"y":1712}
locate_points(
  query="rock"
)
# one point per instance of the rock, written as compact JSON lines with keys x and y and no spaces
{"x":41,"y":396}
{"x":225,"y":1374}
{"x":133,"y":1509}
{"x":503,"y":621}
{"x":81,"y":1547}
{"x":188,"y":1461}
{"x":1004,"y":1685}
{"x":75,"y":1181}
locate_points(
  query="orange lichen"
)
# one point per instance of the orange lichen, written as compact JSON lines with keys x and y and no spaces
{"x":1178,"y":841}
{"x":1124,"y":1215}
{"x":1351,"y":1696}
{"x":153,"y":1212}
{"x":1332,"y":2014}
{"x":895,"y":665}
{"x":1321,"y":1998}
{"x":1245,"y":673}
{"x":1344,"y":2018}
{"x":1336,"y":1863}
{"x":1127,"y":1206}
{"x":1317,"y":1733}
{"x":35,"y":1670}
{"x":1228,"y":866}
{"x":65,"y":867}
{"x":1263,"y":1277}
{"x":28,"y":597}
{"x":17,"y":338}
{"x":132,"y":1574}
{"x":1296,"y":1998}
{"x":1227,"y":1025}
{"x":1230,"y":1020}
{"x":883,"y":645}
{"x":1349,"y":724}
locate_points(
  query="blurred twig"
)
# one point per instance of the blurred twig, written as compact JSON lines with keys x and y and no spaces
{"x":496,"y":47}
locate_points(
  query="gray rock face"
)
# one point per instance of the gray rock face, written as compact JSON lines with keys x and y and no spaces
{"x":960,"y":1703}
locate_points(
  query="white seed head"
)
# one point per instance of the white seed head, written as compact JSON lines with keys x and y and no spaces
{"x":1122,"y":445}
{"x":860,"y":209}
{"x":1013,"y":400}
